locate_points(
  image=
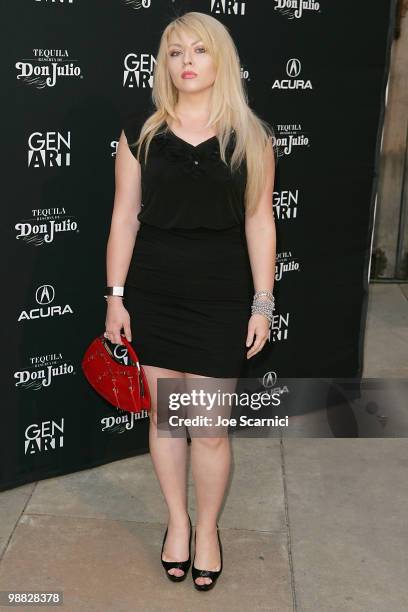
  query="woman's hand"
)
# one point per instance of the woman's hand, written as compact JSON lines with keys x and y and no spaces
{"x":117,"y":317}
{"x":258,"y":326}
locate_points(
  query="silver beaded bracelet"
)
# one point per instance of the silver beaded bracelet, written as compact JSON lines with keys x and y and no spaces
{"x":262,"y":306}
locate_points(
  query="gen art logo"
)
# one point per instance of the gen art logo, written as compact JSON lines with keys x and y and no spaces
{"x":44,"y":436}
{"x":285,"y":204}
{"x":138,"y":70}
{"x":49,"y":150}
{"x":228,"y":7}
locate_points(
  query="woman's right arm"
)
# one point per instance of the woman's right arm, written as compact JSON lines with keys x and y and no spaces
{"x":122,"y":236}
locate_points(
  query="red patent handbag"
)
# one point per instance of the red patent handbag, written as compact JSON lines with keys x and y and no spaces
{"x":114,"y":371}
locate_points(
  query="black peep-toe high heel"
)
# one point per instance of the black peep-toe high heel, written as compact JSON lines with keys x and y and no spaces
{"x":200,"y":573}
{"x":183,"y":565}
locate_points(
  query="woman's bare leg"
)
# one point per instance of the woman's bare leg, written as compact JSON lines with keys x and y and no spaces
{"x":211,"y":462}
{"x":169,"y":457}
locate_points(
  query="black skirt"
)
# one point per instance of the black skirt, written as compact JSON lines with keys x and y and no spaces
{"x":189,"y":295}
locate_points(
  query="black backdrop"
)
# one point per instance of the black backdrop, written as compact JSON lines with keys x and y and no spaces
{"x":72,"y":70}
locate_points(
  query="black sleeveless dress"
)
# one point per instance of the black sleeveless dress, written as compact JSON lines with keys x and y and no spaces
{"x":189,"y":286}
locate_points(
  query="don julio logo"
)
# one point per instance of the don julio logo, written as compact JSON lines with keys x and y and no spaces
{"x":42,"y":370}
{"x":46,"y":66}
{"x":228,"y":7}
{"x":137,"y":4}
{"x":44,"y":296}
{"x":45,"y":223}
{"x":293,"y":9}
{"x":285,"y":262}
{"x":122,"y":423}
{"x":290,"y":137}
{"x":49,"y":150}
{"x":138,"y":70}
{"x":245,"y":74}
{"x":293,"y":70}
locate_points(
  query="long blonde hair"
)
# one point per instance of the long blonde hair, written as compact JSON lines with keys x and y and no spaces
{"x":229,"y":102}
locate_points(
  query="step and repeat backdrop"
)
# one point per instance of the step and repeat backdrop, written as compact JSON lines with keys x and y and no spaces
{"x":72,"y":71}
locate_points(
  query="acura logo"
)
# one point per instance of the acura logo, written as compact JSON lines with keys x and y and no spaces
{"x":45,"y":294}
{"x":293,"y":81}
{"x":269,"y":380}
{"x":293,"y":68}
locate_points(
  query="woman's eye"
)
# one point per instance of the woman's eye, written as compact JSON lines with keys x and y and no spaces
{"x":175,"y":53}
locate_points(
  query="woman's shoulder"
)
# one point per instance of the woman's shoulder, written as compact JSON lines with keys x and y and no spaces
{"x":133,"y":121}
{"x":132,"y":124}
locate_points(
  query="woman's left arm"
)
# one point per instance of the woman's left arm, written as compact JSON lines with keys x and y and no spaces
{"x":261,"y":241}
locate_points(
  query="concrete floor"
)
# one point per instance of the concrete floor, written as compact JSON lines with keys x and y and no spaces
{"x":309,"y":524}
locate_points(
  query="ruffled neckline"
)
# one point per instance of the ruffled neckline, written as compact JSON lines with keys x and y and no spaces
{"x":189,"y":144}
{"x":194,"y":159}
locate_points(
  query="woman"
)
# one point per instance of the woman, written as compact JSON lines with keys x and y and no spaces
{"x":192,"y":241}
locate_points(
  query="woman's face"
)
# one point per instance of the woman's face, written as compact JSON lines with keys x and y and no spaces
{"x":191,"y":67}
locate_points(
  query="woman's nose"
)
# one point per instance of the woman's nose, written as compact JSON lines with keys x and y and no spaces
{"x":187,"y":58}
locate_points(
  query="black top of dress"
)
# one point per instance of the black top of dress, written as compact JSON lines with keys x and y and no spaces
{"x":187,"y":186}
